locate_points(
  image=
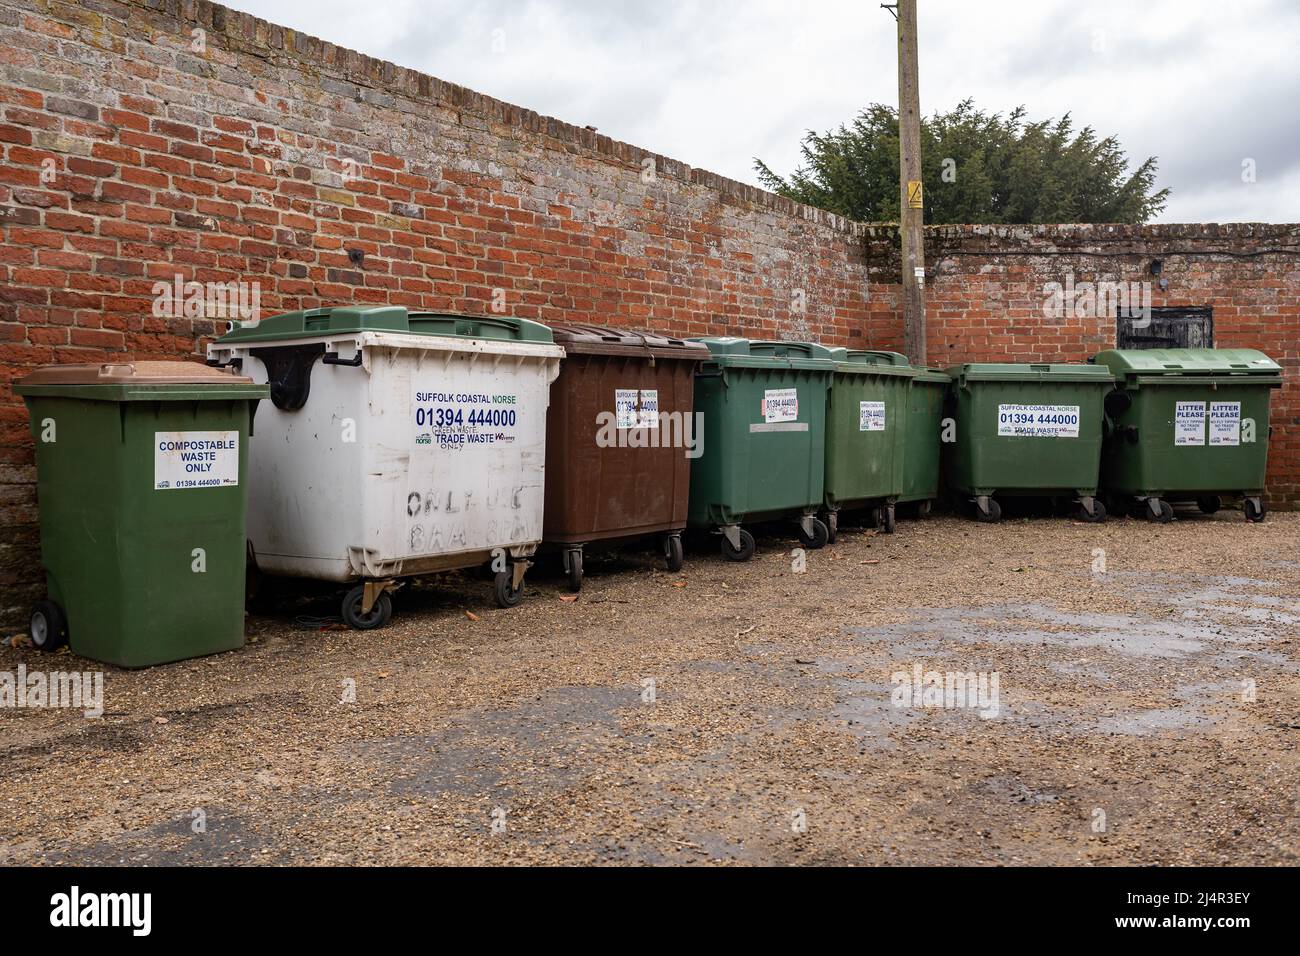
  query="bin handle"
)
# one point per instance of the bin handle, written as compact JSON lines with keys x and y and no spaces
{"x":332,"y":358}
{"x":437,"y":318}
{"x":236,"y":362}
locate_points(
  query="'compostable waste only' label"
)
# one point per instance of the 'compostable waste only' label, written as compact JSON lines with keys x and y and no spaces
{"x":1039,"y":421}
{"x":195,"y":460}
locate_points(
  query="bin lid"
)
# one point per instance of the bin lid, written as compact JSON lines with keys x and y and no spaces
{"x":1030,"y":372}
{"x":128,"y":380}
{"x":1153,"y":364}
{"x":754,"y":353}
{"x":870,"y":362}
{"x":342,"y":320}
{"x":603,"y":340}
{"x":936,"y":375}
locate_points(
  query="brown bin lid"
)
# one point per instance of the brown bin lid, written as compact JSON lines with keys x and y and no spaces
{"x":133,"y":373}
{"x":600,"y":339}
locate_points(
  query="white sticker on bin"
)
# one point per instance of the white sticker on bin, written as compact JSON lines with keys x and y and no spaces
{"x":195,"y":460}
{"x":1039,"y":421}
{"x":1189,"y":423}
{"x":1225,"y":423}
{"x":871,"y":416}
{"x":456,"y":420}
{"x":780,"y":404}
{"x":636,"y":408}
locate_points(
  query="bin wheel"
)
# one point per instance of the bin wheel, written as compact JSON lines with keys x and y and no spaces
{"x":673,"y":552}
{"x":572,"y":568}
{"x":1098,"y":514}
{"x":924,"y":508}
{"x":1254,"y":509}
{"x":819,"y":536}
{"x":504,"y":591}
{"x":379,"y":614}
{"x":1165,"y":515}
{"x":746,"y":550}
{"x":48,"y":626}
{"x":832,"y":522}
{"x":1209,"y":504}
{"x":887,"y":518}
{"x":992,"y":515}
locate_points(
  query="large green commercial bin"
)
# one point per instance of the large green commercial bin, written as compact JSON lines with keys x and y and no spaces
{"x":141,"y":472}
{"x":866,"y":428}
{"x":926,"y":402}
{"x":1027,"y":430}
{"x":1187,"y":424}
{"x":763,"y":408}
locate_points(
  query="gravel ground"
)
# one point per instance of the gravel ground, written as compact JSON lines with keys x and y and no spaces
{"x":1148,"y":712}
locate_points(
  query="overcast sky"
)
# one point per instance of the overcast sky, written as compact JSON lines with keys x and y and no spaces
{"x":1201,"y":84}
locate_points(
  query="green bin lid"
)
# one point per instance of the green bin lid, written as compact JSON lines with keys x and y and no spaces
{"x":1174,"y":363}
{"x":1030,"y":372}
{"x":753,"y":353}
{"x":139,"y":381}
{"x":602,"y":340}
{"x":342,"y":320}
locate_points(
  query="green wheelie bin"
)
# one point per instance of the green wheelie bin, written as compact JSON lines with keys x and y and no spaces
{"x":141,"y":472}
{"x":866,"y":428}
{"x":927,"y":399}
{"x":1187,"y":425}
{"x":1027,"y":430}
{"x":762,"y":406}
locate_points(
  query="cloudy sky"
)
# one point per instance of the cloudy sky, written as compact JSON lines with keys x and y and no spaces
{"x":1204,"y":85}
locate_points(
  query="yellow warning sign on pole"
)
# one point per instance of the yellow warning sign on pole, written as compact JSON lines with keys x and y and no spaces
{"x":914,"y":200}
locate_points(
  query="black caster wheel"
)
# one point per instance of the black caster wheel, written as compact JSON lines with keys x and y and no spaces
{"x":1254,"y":509}
{"x":572,"y":570}
{"x":1096,"y":516}
{"x":887,"y":519}
{"x":378,"y":615}
{"x":992,"y":515}
{"x":1165,"y":513}
{"x":746,"y":550}
{"x":506,"y":594}
{"x":924,"y":508}
{"x":47,"y":626}
{"x":819,"y":536}
{"x":673,"y":552}
{"x":832,"y":522}
{"x":1209,"y":504}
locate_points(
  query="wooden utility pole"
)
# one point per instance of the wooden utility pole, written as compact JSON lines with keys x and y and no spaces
{"x":911,"y":217}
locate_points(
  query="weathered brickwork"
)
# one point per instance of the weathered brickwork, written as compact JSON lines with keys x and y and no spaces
{"x":148,"y":140}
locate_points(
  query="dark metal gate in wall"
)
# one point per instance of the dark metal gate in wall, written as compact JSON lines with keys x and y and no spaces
{"x":1179,"y":327}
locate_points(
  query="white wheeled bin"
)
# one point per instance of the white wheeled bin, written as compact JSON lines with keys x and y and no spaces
{"x":396,"y":443}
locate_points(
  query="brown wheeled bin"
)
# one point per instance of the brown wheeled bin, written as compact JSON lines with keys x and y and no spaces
{"x":620,"y":436}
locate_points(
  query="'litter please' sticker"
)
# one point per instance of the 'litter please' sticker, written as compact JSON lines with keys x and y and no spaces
{"x":1225,"y":423}
{"x":1189,"y":423}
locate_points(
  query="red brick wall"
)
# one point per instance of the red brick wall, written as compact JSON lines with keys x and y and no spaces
{"x":263,"y":155}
